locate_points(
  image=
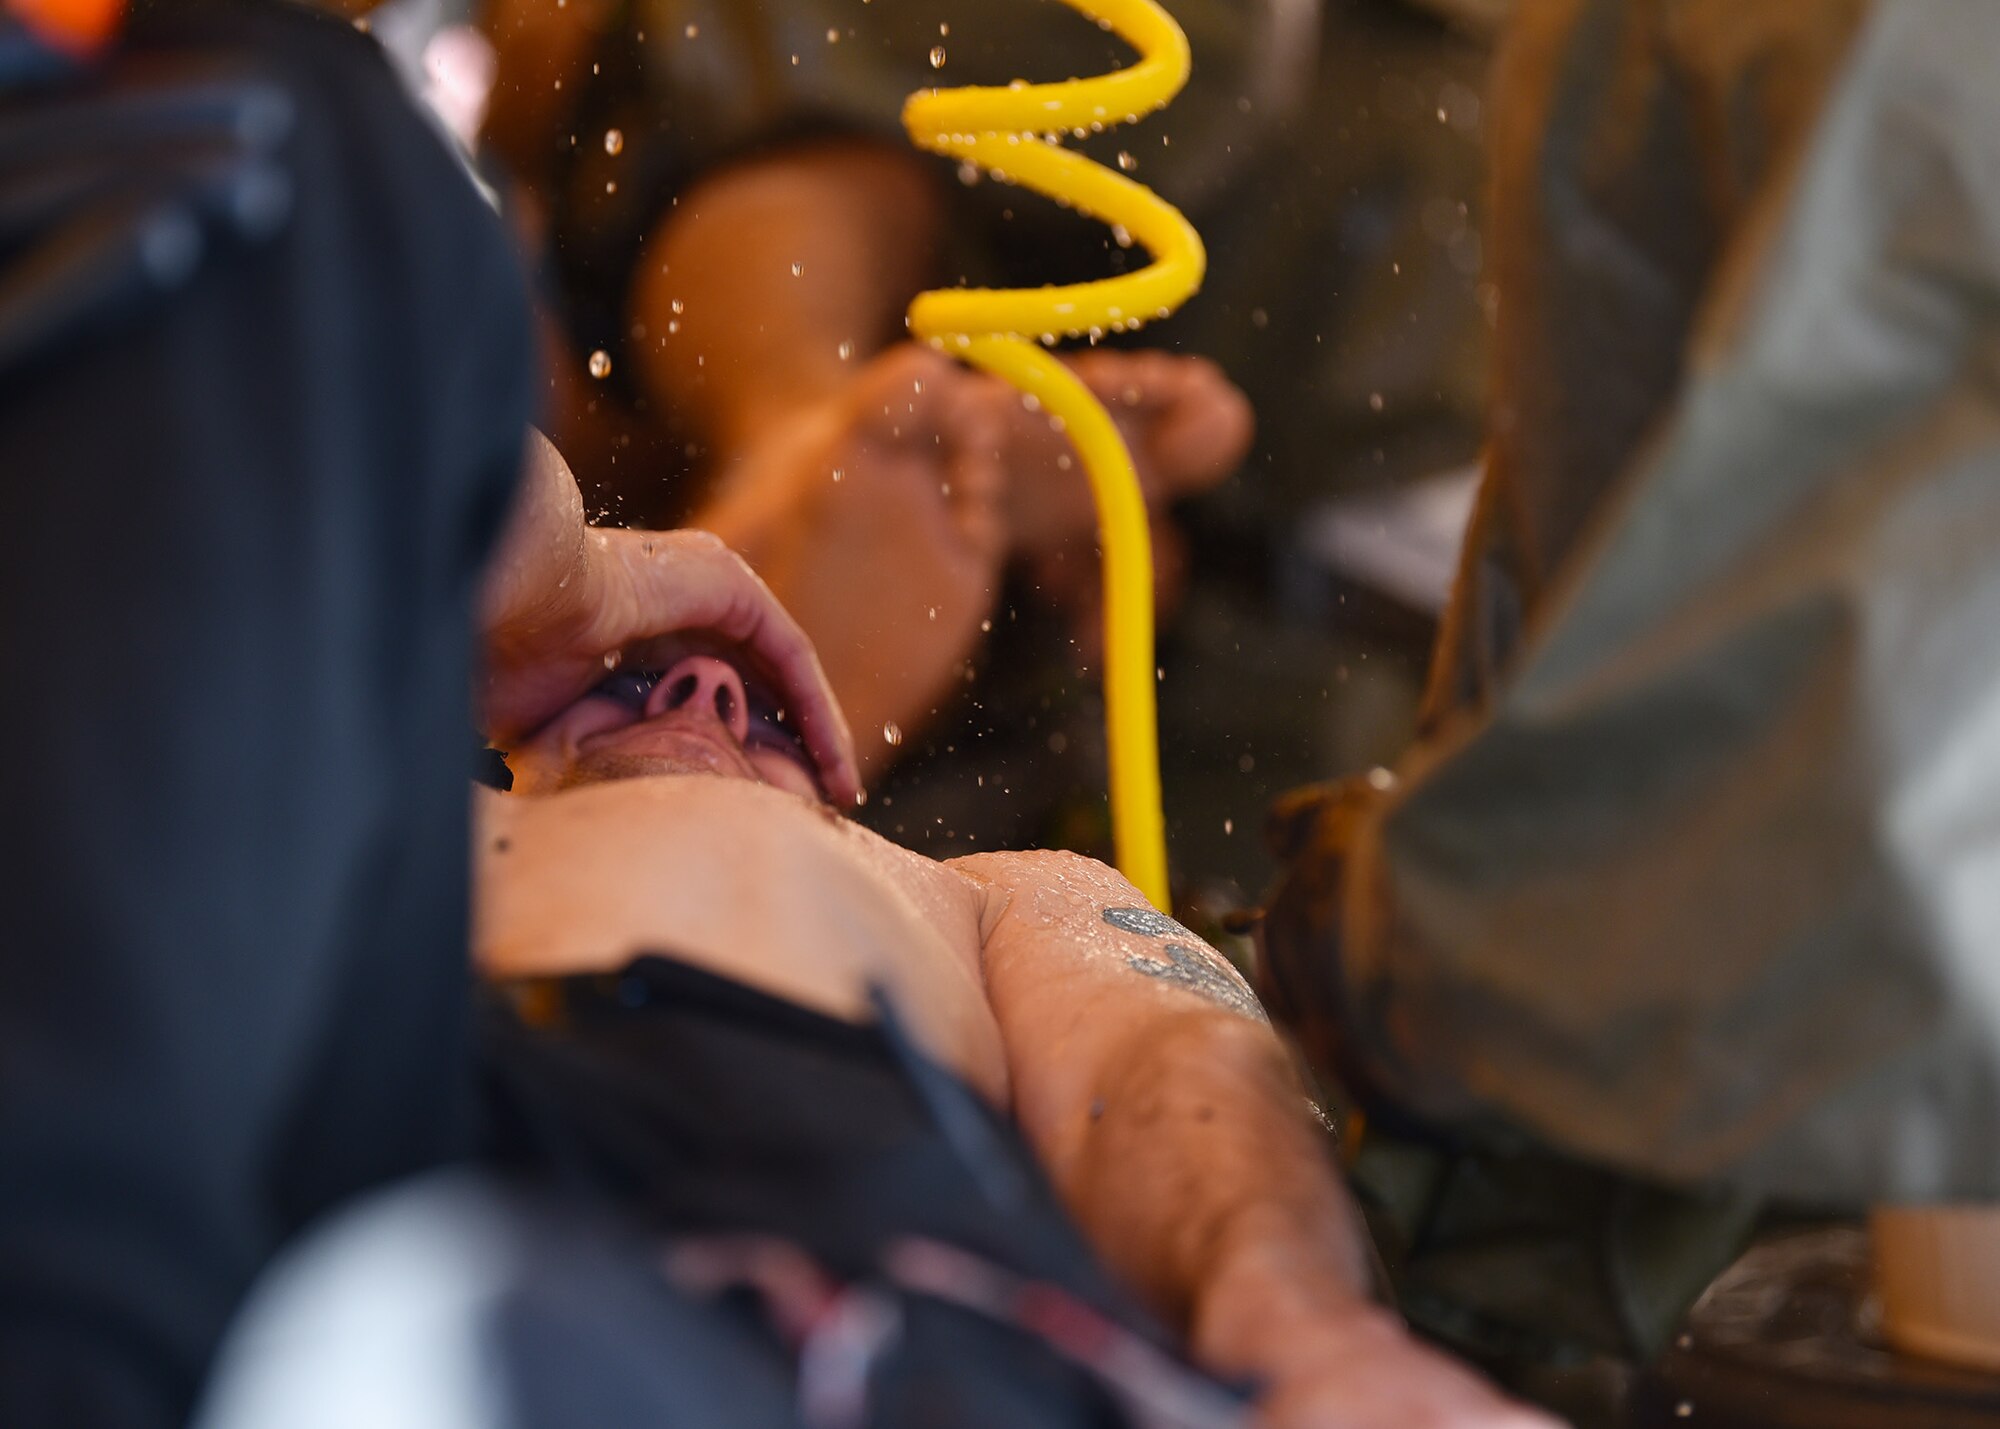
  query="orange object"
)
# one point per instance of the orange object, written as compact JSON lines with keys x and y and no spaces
{"x":74,"y":26}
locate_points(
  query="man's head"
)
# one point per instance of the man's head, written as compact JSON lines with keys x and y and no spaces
{"x":700,"y":716}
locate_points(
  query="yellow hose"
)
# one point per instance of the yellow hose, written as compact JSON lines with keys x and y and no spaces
{"x":1015,"y":134}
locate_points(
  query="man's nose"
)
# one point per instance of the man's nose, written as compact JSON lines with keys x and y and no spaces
{"x":705,"y":685}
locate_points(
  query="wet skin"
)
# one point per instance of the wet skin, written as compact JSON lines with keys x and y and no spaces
{"x":681,"y":817}
{"x":680,"y":814}
{"x":675,"y":816}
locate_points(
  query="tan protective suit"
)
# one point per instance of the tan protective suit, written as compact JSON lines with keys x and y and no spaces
{"x":1695,"y":870}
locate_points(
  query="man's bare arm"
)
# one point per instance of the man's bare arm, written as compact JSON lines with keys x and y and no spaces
{"x":771,"y":281}
{"x":1171,"y":1120}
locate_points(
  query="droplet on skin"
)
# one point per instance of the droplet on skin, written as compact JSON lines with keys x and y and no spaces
{"x":832,"y":36}
{"x":1126,"y":161}
{"x":610,"y":659}
{"x":937,"y":56}
{"x":1229,"y":826}
{"x":677,"y":305}
{"x":600,"y":364}
{"x":846,"y":351}
{"x":614,"y":141}
{"x":798,"y":270}
{"x":692,"y":31}
{"x":837,"y":475}
{"x":892,"y":733}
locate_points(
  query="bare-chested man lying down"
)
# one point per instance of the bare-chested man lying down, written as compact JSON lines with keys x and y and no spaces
{"x":677,"y":814}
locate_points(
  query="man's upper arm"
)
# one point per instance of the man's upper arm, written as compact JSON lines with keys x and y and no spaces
{"x":1080,"y":969}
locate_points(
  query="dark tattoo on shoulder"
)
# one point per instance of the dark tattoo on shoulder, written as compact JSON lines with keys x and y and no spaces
{"x":1146,"y":923}
{"x":1191,"y":971}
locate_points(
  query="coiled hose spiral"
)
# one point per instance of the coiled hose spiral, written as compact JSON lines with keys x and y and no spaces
{"x":1015,"y":133}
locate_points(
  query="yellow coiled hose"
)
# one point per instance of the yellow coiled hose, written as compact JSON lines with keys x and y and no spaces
{"x":1015,"y":134}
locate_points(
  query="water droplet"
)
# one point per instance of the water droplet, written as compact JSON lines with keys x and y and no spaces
{"x":692,"y":31}
{"x":930,"y":612}
{"x":1063,"y":463}
{"x":610,"y":659}
{"x":1259,"y":318}
{"x":1121,"y":235}
{"x":892,"y":733}
{"x":600,"y":364}
{"x":985,"y":626}
{"x":838,"y":473}
{"x":678,"y":306}
{"x":917,"y":386}
{"x":944,"y":29}
{"x":832,"y":35}
{"x":673,"y":324}
{"x":1126,"y":161}
{"x":846,"y":350}
{"x":1684,"y":1410}
{"x":1229,"y":826}
{"x":1374,"y":401}
{"x":798,"y":270}
{"x":937,"y":56}
{"x":614,"y":141}
{"x":968,"y":174}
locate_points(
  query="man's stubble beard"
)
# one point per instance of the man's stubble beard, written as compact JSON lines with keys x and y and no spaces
{"x":610,"y":766}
